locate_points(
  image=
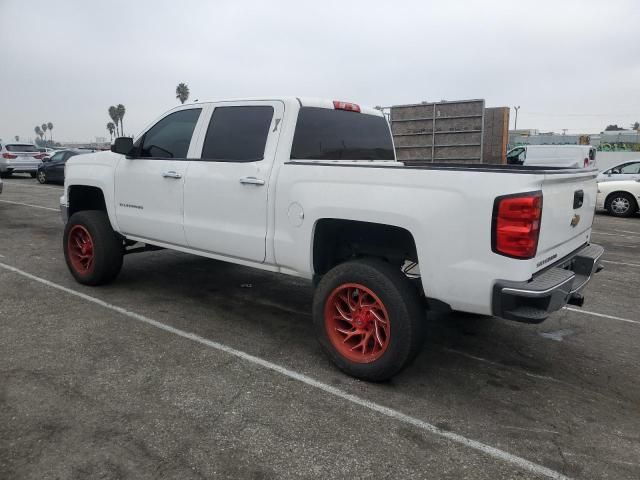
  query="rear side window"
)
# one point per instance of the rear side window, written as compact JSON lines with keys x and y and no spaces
{"x":631,"y":168}
{"x":592,"y":154}
{"x":22,"y":148}
{"x":325,"y":134}
{"x":171,"y":136}
{"x":237,"y":134}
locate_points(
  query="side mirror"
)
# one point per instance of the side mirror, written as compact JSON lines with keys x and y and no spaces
{"x":609,"y":174}
{"x":123,"y":146}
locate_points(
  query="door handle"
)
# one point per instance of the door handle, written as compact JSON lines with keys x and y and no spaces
{"x":251,"y":181}
{"x":171,"y":174}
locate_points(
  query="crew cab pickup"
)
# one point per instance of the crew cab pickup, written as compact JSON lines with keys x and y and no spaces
{"x":312,"y":188}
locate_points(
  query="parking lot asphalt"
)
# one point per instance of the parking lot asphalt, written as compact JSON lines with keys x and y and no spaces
{"x":187,"y":367}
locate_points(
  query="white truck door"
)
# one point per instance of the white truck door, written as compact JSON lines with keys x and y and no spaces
{"x":149,"y":185}
{"x":226,"y":190}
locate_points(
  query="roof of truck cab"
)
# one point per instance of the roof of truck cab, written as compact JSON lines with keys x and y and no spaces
{"x":302,"y":101}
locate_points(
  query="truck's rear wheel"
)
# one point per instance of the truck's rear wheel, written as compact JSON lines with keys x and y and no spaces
{"x":368,"y":318}
{"x":92,"y":249}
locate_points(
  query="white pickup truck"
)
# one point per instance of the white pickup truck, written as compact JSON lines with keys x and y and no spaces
{"x":312,"y":188}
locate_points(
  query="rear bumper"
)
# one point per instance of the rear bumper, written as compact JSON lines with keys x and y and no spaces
{"x":20,"y":167}
{"x":533,"y":301}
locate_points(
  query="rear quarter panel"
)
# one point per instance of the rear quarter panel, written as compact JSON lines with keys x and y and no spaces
{"x":447,"y":212}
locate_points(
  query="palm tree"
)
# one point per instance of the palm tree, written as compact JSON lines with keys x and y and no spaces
{"x":39,"y":132}
{"x":112,"y":128}
{"x":50,"y":127}
{"x":17,"y":137}
{"x":113,"y":113}
{"x":182,"y":92}
{"x":44,"y":130}
{"x":121,"y":111}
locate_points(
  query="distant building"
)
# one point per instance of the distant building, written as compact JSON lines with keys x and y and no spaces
{"x":618,"y":140}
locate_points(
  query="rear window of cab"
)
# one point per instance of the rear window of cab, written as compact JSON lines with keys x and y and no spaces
{"x":21,"y":148}
{"x":326,"y":134}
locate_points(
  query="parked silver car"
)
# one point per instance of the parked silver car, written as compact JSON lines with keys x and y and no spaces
{"x":19,"y":158}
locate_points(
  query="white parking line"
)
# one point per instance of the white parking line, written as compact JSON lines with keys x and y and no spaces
{"x":29,"y":205}
{"x":386,"y":411}
{"x":621,"y":263}
{"x":28,"y":185}
{"x":614,"y":234}
{"x":595,"y":314}
{"x":505,"y":367}
{"x":628,"y":231}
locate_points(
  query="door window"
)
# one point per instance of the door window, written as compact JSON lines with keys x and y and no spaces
{"x":68,"y":156}
{"x":631,"y":168}
{"x":516,"y":156}
{"x":237,"y":134}
{"x":170,"y":137}
{"x":57,"y":157}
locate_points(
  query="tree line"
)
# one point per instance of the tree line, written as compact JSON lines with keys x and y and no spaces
{"x":41,"y":131}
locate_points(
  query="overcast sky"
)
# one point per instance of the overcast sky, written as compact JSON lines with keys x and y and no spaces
{"x":568,"y":64}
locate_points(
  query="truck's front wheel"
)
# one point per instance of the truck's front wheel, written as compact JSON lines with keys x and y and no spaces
{"x":368,"y":318}
{"x":92,"y":249}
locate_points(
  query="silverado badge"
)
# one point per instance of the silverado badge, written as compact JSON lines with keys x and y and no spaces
{"x":575,"y":220}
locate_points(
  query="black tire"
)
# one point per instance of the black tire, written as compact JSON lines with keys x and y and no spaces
{"x":616,"y":203}
{"x":406,"y":316}
{"x":33,"y":174}
{"x":107,"y":248}
{"x":42,"y":176}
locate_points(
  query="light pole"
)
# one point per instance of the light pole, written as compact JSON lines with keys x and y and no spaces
{"x":515,"y":123}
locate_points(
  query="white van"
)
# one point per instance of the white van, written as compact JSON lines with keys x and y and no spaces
{"x":568,"y":156}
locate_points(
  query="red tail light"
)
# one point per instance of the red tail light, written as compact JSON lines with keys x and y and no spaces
{"x":350,"y":107}
{"x":516,"y":225}
{"x":586,"y":162}
{"x":39,"y":156}
{"x":9,"y":156}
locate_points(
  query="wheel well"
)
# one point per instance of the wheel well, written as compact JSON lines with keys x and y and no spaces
{"x":336,"y":241}
{"x":82,"y":197}
{"x":618,"y":192}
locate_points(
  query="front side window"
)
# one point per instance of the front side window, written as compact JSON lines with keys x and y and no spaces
{"x":57,"y":157}
{"x":69,"y":155}
{"x":171,"y":136}
{"x":327,"y":134}
{"x":237,"y":134}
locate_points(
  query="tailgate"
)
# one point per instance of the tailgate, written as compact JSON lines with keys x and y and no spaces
{"x":568,"y":208}
{"x":26,"y":157}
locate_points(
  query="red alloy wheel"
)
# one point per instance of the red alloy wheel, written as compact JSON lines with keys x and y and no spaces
{"x":80,"y":249}
{"x":357,"y":323}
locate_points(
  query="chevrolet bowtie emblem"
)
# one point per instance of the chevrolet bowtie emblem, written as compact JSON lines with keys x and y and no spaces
{"x":575,"y":220}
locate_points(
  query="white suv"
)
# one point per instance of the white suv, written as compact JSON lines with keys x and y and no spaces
{"x":19,"y":158}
